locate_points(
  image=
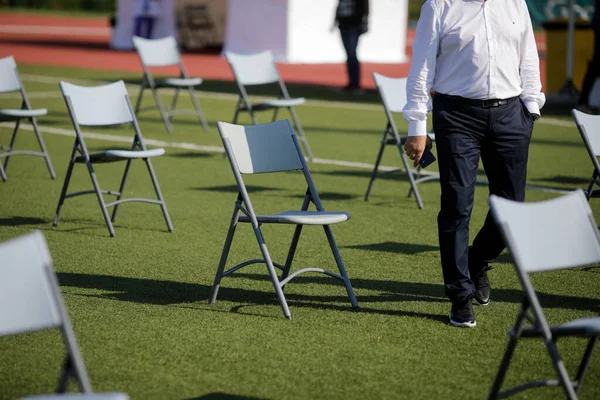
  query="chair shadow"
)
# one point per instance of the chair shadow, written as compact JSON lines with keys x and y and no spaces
{"x":149,"y":291}
{"x":418,"y":291}
{"x":94,"y":224}
{"x":180,"y":294}
{"x":395,"y":247}
{"x":191,"y":154}
{"x":330,"y":196}
{"x":566,"y":180}
{"x":19,"y":221}
{"x":235,"y":188}
{"x":224,"y":396}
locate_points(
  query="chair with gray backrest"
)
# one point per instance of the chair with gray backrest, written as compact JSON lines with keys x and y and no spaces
{"x":164,"y":53}
{"x":10,"y":81}
{"x":589,"y":128}
{"x":30,"y":301}
{"x":542,"y":237}
{"x":260,"y":69}
{"x":393,"y":98}
{"x":269,"y":148}
{"x":106,"y":105}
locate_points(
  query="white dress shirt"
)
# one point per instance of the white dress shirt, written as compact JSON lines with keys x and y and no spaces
{"x":475,"y":49}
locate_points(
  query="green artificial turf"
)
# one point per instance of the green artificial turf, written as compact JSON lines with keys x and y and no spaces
{"x":138,"y":302}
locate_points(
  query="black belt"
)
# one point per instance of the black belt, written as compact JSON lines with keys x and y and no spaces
{"x":476,"y":103}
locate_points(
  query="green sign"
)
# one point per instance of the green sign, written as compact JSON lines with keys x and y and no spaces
{"x":547,"y":10}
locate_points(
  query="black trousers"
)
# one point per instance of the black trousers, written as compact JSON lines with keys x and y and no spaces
{"x":465,"y":132}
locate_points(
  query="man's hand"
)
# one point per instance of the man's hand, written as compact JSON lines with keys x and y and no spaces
{"x":415,"y":146}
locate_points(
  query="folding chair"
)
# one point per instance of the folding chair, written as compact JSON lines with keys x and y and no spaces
{"x":164,"y":53}
{"x":260,"y":69}
{"x":589,"y":129}
{"x":11,"y":82}
{"x":30,"y":301}
{"x":393,"y":97}
{"x":105,"y":106}
{"x":544,"y":237}
{"x":268,"y":148}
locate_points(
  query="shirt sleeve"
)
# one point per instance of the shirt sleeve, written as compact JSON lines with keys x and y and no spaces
{"x":529,"y":68}
{"x":422,"y":70}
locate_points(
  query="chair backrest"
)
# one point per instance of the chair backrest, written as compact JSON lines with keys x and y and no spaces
{"x":262,"y":148}
{"x":157,"y":52}
{"x":253,"y":69}
{"x":549,"y":235}
{"x":9,"y":80}
{"x":392,"y":92}
{"x":99,"y":105}
{"x":589,"y":128}
{"x":27,"y":297}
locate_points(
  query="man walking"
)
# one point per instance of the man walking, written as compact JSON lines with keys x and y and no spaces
{"x":481,"y":60}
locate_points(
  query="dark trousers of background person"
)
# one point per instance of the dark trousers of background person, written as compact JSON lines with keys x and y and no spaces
{"x":593,"y":71}
{"x":144,"y":26}
{"x":350,"y":35}
{"x":466,"y":130}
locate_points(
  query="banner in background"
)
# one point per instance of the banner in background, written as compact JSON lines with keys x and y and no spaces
{"x":547,"y":10}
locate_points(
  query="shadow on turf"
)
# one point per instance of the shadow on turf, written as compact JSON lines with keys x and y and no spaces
{"x":235,"y":188}
{"x":223,"y":396}
{"x":148,"y":291}
{"x":18,"y":221}
{"x":395,"y":247}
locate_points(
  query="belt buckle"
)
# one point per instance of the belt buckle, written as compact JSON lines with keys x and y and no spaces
{"x":491,"y":103}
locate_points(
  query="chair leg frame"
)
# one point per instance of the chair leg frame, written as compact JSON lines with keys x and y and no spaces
{"x":109,"y":219}
{"x":387,"y":135}
{"x":571,"y":388}
{"x":10,"y":152}
{"x":278,"y":283}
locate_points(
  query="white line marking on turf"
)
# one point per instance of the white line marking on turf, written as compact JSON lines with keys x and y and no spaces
{"x":227,"y":96}
{"x":218,"y":149}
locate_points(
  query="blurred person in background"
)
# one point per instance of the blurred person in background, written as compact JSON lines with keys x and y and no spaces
{"x":352,"y":19}
{"x":146,"y":13}
{"x":593,"y":71}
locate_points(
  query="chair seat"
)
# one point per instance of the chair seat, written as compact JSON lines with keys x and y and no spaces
{"x":178,"y":82}
{"x":303,"y":217}
{"x":278,"y":103}
{"x":7,"y":114}
{"x":579,"y":327}
{"x":118,"y":155}
{"x":79,"y":396}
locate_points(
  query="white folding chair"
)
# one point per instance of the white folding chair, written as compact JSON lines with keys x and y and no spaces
{"x":268,"y":148}
{"x":30,"y":301}
{"x":393,"y":98}
{"x":10,"y":81}
{"x":547,"y":236}
{"x":106,"y":105}
{"x":260,"y":69}
{"x":164,"y":53}
{"x":589,"y":128}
